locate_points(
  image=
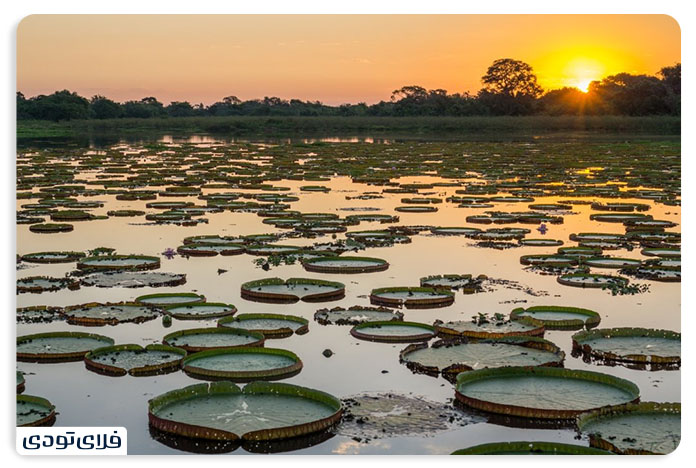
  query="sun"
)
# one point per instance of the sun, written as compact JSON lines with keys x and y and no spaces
{"x":582,"y":83}
{"x":580,"y":72}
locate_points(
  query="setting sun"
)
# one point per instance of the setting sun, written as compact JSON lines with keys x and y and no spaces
{"x":581,"y":72}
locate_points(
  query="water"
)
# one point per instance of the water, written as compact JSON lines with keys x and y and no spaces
{"x":85,"y":398}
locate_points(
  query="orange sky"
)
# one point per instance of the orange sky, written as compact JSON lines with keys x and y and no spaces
{"x":331,"y":58}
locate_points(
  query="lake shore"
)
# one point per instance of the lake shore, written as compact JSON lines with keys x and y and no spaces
{"x":439,"y":127}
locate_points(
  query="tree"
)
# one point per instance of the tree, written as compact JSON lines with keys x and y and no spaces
{"x":632,"y":94}
{"x":671,"y":77}
{"x":61,"y":105}
{"x":104,"y":108}
{"x":511,"y":78}
{"x":509,"y":88}
{"x":179,"y":109}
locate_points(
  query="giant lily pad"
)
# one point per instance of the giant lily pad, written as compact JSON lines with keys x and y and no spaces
{"x":270,"y":325}
{"x":584,"y":280}
{"x":202,"y":339}
{"x":542,"y":392}
{"x":559,"y":317}
{"x":34,"y":411}
{"x":393,"y":331}
{"x":450,"y":358}
{"x":243,"y":364}
{"x":259,"y":411}
{"x":50,"y":228}
{"x":411,"y":297}
{"x":40,"y":284}
{"x":133,"y":279}
{"x":96,"y":314}
{"x":210,"y":249}
{"x":170,"y":299}
{"x":292,"y":290}
{"x":356,"y":314}
{"x":135,"y":360}
{"x":638,"y":345}
{"x":204,"y":310}
{"x":119,"y":262}
{"x":58,"y":346}
{"x":345,"y":264}
{"x":530,"y":448}
{"x":645,"y":428}
{"x":611,"y":262}
{"x":52,"y":257}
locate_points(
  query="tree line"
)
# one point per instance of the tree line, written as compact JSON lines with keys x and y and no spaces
{"x":509,"y":87}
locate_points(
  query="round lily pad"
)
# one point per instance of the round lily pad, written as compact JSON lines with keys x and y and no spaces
{"x":270,"y":411}
{"x":489,"y":327}
{"x":416,"y":209}
{"x":119,"y":262}
{"x":210,"y":250}
{"x":243,"y":364}
{"x":270,"y":325}
{"x":393,"y":331}
{"x":50,"y":228}
{"x":38,"y":314}
{"x":276,"y":290}
{"x":20,"y":382}
{"x":40,"y":284}
{"x":645,"y":428}
{"x":203,"y":310}
{"x":202,"y":339}
{"x":96,"y":314}
{"x":411,"y":297}
{"x":345,"y":264}
{"x":134,"y":360}
{"x":34,"y":411}
{"x":554,"y":260}
{"x":661,"y":252}
{"x":52,"y":257}
{"x":58,"y":346}
{"x":452,"y":357}
{"x":170,"y":299}
{"x":356,"y":314}
{"x":559,"y":317}
{"x":618,"y":217}
{"x":454,"y":231}
{"x":542,"y":392}
{"x":125,"y":213}
{"x":133,"y":279}
{"x":541,"y":242}
{"x":639,"y":345}
{"x":597,"y":236}
{"x":611,"y":262}
{"x":586,"y":280}
{"x":530,"y":448}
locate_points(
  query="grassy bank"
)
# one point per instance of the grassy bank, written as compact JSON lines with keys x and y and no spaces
{"x":453,"y":127}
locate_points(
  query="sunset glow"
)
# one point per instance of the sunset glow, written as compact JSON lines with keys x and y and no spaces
{"x":332,"y":58}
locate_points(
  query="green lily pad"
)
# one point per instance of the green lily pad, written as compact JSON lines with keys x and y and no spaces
{"x":243,"y":364}
{"x":393,"y":331}
{"x":259,"y":411}
{"x":202,"y":339}
{"x":34,"y":411}
{"x":542,"y":392}
{"x":58,"y":346}
{"x":645,"y":428}
{"x":270,"y":325}
{"x":135,"y":360}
